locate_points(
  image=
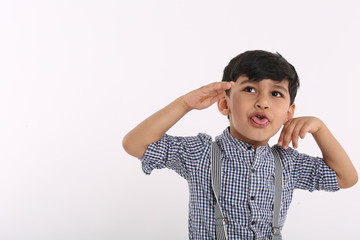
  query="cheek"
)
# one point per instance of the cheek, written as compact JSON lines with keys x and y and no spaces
{"x":237,"y":106}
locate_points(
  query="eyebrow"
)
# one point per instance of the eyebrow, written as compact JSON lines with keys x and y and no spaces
{"x":281,"y":88}
{"x":277,"y":86}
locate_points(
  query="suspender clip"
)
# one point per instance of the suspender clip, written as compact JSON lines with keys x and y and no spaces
{"x":276,"y":231}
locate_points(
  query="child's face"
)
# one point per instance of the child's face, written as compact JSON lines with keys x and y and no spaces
{"x":257,"y":110}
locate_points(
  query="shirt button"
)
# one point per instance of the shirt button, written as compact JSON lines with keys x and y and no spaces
{"x":253,"y":223}
{"x":253,"y":170}
{"x":252,"y":198}
{"x":249,"y":148}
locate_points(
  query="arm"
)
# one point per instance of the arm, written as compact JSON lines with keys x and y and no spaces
{"x":333,"y":153}
{"x":153,"y":128}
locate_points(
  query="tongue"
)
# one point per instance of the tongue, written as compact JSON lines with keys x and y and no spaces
{"x":260,"y":121}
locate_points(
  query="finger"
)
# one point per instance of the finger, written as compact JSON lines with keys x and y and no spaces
{"x":295,"y":143}
{"x":217,"y":97}
{"x":287,"y":134}
{"x":231,"y":84}
{"x":222,"y":86}
{"x":220,"y":96}
{"x":218,"y":89}
{"x":213,"y":93}
{"x":281,"y":137}
{"x":283,"y":133}
{"x":295,"y":140}
{"x":203,"y":99}
{"x":215,"y":88}
{"x":302,"y":134}
{"x":296,"y":134}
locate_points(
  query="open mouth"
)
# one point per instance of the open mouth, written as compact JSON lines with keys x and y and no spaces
{"x":259,"y":120}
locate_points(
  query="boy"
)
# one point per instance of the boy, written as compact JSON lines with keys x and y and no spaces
{"x":257,"y":95}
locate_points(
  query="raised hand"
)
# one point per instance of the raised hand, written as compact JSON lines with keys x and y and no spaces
{"x":154,"y":127}
{"x":298,"y":128}
{"x":207,"y":95}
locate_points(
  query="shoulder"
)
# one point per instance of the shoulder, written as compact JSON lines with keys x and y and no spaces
{"x":285,"y":153}
{"x":289,"y":152}
{"x":172,"y":143}
{"x":200,"y":138}
{"x":291,"y":156}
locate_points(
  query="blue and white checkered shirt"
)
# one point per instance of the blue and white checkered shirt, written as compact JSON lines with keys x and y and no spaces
{"x":248,"y":185}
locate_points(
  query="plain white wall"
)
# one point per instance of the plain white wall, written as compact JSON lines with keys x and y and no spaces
{"x":76,"y":76}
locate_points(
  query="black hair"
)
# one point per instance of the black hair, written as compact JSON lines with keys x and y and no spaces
{"x":258,"y":65}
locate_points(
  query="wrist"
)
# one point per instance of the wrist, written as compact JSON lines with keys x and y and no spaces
{"x":181,"y":102}
{"x":321,"y":127}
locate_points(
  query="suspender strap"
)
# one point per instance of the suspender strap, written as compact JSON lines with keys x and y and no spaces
{"x":220,"y":223}
{"x":278,"y":193}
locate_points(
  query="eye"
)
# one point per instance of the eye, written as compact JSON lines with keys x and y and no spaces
{"x":249,"y":89}
{"x":276,"y":94}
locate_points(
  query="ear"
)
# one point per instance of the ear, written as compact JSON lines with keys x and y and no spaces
{"x":223,"y":106}
{"x":290,"y":113}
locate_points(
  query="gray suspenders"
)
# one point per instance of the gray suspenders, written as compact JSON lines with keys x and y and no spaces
{"x":277,"y":197}
{"x":220,"y":221}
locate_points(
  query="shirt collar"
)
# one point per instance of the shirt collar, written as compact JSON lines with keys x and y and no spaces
{"x":229,"y":144}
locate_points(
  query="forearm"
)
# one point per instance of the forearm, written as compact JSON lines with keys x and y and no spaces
{"x":153,"y":128}
{"x":335,"y":157}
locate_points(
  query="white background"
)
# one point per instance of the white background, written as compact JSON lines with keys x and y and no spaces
{"x":76,"y":76}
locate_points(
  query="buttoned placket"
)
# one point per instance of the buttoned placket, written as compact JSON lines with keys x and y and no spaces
{"x":251,"y":194}
{"x":256,"y":163}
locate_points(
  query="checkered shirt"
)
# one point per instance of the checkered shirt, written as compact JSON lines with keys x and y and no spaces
{"x":247,"y":184}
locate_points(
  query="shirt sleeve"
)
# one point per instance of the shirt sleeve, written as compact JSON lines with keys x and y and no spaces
{"x":180,"y":154}
{"x":312,"y":173}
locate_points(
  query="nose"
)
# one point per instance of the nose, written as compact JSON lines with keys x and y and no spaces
{"x":262,"y":102}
